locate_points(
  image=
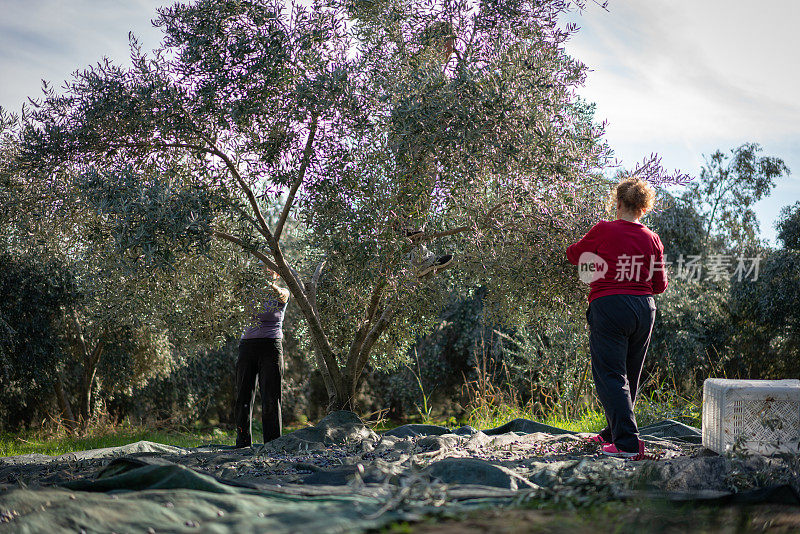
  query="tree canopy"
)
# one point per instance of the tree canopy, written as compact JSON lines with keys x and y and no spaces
{"x":788,"y":226}
{"x":728,"y":186}
{"x":105,"y":324}
{"x":312,"y":136}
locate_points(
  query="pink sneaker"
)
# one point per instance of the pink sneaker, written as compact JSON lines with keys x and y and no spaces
{"x":611,"y":450}
{"x":597,"y":439}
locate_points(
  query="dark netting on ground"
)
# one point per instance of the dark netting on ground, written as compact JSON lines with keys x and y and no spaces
{"x":340,"y":476}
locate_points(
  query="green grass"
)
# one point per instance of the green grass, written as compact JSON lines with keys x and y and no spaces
{"x":491,"y":417}
{"x":589,"y":421}
{"x":664,"y":403}
{"x":57,"y":441}
{"x":61,"y":443}
{"x":650,"y":408}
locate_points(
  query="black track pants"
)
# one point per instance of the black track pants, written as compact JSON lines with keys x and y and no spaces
{"x":619,"y":334}
{"x":259,"y":360}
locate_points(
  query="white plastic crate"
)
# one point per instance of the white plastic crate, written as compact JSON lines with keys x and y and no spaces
{"x":761,"y":416}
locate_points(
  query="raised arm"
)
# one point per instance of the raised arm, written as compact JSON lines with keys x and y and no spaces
{"x":281,"y":292}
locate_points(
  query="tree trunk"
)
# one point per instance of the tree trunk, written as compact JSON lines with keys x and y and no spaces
{"x":91,"y":362}
{"x":326,"y":377}
{"x":85,"y":394}
{"x":63,"y":404}
{"x":345,"y":397}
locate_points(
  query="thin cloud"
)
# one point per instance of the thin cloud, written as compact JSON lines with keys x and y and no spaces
{"x":685,"y":78}
{"x":51,"y":39}
{"x":661,"y":68}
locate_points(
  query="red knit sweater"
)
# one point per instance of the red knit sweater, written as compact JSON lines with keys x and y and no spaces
{"x":634,"y":255}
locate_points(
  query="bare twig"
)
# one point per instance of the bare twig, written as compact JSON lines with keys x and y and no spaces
{"x":311,"y":287}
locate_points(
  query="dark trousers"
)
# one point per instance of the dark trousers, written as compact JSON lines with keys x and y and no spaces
{"x":619,"y":334}
{"x":259,"y":360}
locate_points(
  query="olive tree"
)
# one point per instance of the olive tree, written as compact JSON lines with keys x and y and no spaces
{"x":358,"y":124}
{"x":33,"y":289}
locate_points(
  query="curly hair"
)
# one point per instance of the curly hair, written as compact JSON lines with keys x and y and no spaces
{"x":635,"y":194}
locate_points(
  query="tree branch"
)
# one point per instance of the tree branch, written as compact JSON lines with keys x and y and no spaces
{"x":252,"y":221}
{"x":259,"y":224}
{"x":79,"y":334}
{"x":462,"y":229}
{"x":375,"y":299}
{"x":445,"y":233}
{"x":494,"y":209}
{"x":361,"y":356}
{"x":279,"y":265}
{"x":126,"y":144}
{"x":312,"y":318}
{"x":251,"y":198}
{"x":257,"y":253}
{"x":374,"y":334}
{"x":318,"y":273}
{"x":298,"y":278}
{"x":97,"y":353}
{"x":311,"y":287}
{"x":312,"y":131}
{"x":353,"y":355}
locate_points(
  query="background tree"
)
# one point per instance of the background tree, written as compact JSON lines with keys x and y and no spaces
{"x":765,"y":319}
{"x":764,"y":311}
{"x":680,"y":226}
{"x":727,"y":188}
{"x":727,"y":326}
{"x":788,"y":226}
{"x":34,"y":289}
{"x":115,"y":325}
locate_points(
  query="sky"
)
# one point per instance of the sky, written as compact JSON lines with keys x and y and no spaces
{"x":685,"y":78}
{"x":682,"y":78}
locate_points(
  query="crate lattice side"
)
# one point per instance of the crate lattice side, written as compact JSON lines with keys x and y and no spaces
{"x":757,"y":415}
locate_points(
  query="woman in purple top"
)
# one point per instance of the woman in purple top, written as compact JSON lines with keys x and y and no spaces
{"x":261,"y":359}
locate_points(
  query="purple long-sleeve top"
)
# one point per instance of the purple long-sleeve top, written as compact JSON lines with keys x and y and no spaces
{"x":269,"y":322}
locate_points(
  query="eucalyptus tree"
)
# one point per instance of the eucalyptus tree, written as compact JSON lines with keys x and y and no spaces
{"x":764,"y":310}
{"x":788,"y":226}
{"x":727,"y":188}
{"x":363,"y":123}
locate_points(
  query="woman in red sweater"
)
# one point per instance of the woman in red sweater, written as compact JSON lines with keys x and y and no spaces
{"x":623,"y":262}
